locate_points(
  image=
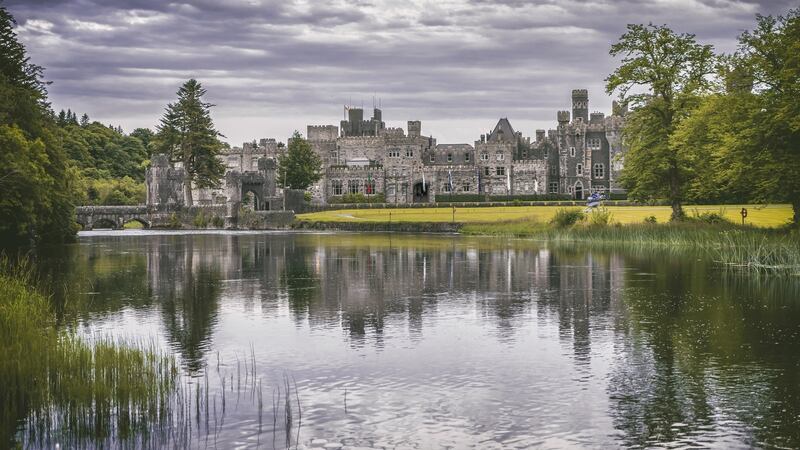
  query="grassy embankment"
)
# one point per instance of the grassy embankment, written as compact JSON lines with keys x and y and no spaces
{"x":58,"y":388}
{"x":760,"y":245}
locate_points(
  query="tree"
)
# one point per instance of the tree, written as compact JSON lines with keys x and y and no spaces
{"x":772,"y":54}
{"x":145,"y":135}
{"x":299,"y":167}
{"x":38,"y":187}
{"x":661,"y":76}
{"x":187,"y":134}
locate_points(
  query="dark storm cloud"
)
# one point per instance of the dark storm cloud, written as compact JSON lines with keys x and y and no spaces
{"x":273,"y":66}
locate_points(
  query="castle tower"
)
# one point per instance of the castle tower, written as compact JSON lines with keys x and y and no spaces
{"x":414,"y":128}
{"x":580,"y":105}
{"x":563,"y":117}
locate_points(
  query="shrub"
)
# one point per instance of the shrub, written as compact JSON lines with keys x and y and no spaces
{"x":650,"y":219}
{"x":200,"y":220}
{"x":600,"y":217}
{"x":174,"y":221}
{"x":218,"y":222}
{"x":358,"y":198}
{"x":566,"y":217}
{"x":710,"y":217}
{"x":307,"y":196}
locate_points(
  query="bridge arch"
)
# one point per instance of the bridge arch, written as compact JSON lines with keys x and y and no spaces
{"x":105,"y":222}
{"x":145,"y":224}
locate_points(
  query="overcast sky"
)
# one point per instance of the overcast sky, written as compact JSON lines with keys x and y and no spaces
{"x":275,"y":66}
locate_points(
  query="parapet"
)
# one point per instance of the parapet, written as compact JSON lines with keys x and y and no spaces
{"x":597,"y":118}
{"x":563,"y":117}
{"x":395,"y":132}
{"x":539,"y":135}
{"x":580,"y":93}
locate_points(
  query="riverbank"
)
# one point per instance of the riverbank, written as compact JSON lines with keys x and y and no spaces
{"x":708,"y":229}
{"x":57,"y":388}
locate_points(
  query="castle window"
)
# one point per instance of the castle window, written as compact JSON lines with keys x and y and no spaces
{"x":487,"y":170}
{"x":409,"y":153}
{"x":466,"y":157}
{"x":446,"y":187}
{"x":599,"y":170}
{"x":501,"y":170}
{"x":484,"y":156}
{"x":394,"y":153}
{"x":352,"y":186}
{"x":554,"y":188}
{"x":594,"y":143}
{"x":500,"y":156}
{"x":553,"y":170}
{"x":336,"y":187}
{"x":546,"y":153}
{"x":449,"y":157}
{"x":433,"y":157}
{"x":390,"y":190}
{"x":572,"y":152}
{"x":465,"y":188}
{"x":579,"y":169}
{"x":369,"y":187}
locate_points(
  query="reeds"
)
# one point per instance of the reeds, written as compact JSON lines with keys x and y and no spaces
{"x":765,"y":250}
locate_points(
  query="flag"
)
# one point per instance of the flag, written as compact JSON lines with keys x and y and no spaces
{"x":369,"y":183}
{"x":450,"y":179}
{"x":478,"y":172}
{"x":423,"y":179}
{"x":508,"y":180}
{"x":536,"y":186}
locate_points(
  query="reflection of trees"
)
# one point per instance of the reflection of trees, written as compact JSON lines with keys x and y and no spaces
{"x":188,"y":286}
{"x":698,"y":353}
{"x":90,"y":281}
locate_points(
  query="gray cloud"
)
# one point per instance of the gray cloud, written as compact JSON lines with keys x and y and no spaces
{"x":274,"y":66}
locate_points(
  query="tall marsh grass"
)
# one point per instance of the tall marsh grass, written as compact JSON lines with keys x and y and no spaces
{"x":765,"y":250}
{"x":58,"y":388}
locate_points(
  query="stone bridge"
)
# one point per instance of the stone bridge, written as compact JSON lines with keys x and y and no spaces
{"x":90,"y":217}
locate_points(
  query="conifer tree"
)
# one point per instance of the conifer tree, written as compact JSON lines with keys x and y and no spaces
{"x":186,"y":133}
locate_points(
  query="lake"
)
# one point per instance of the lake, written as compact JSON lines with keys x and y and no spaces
{"x":445,"y":341}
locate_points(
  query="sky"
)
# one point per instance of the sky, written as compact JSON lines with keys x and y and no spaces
{"x":271,"y":67}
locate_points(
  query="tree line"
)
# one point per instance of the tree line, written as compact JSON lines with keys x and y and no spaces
{"x":702,"y":127}
{"x":707,"y":127}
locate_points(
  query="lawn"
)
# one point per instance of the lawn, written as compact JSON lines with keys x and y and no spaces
{"x":759,"y":215}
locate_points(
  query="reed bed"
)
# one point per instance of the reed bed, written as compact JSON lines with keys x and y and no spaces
{"x":774,"y":251}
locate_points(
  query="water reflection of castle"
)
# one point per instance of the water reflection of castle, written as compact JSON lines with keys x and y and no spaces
{"x":361,"y":285}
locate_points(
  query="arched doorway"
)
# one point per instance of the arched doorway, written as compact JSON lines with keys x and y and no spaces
{"x":578,"y":191}
{"x":251,"y":201}
{"x":421,"y":192}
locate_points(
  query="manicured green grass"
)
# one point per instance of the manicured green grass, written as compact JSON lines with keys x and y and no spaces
{"x":758,"y":215}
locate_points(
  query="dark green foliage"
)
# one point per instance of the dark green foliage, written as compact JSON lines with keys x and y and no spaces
{"x":667,"y":73}
{"x":38,"y":191}
{"x":300,"y":166}
{"x":650,"y":219}
{"x":187,"y":134}
{"x":567,"y":217}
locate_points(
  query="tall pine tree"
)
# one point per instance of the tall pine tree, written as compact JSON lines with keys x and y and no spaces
{"x":186,"y":133}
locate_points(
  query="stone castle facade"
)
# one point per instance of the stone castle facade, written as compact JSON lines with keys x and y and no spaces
{"x":582,"y":155}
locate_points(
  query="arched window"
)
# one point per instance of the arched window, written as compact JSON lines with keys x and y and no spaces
{"x":336,"y":187}
{"x":599,"y":170}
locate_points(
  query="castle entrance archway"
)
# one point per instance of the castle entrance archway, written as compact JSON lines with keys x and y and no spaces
{"x":421,"y":192}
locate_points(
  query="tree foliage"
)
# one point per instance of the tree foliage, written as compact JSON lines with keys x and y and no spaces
{"x":299,"y":167}
{"x":36,"y":181}
{"x":186,"y":133}
{"x":661,"y":76}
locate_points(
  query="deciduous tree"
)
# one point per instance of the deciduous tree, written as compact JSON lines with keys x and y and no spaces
{"x":299,"y":167}
{"x":661,"y":75}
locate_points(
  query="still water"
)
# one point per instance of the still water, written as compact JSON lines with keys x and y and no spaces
{"x":402,"y":341}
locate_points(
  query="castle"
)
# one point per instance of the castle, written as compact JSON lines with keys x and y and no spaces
{"x":582,"y":155}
